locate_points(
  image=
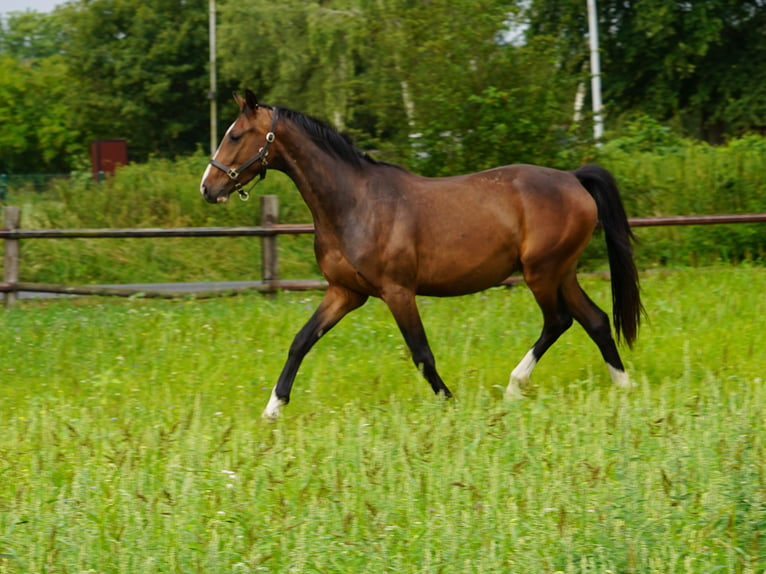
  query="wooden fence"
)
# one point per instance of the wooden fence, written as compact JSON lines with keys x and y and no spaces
{"x":268,"y":232}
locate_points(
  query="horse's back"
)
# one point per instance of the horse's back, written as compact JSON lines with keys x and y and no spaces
{"x":473,"y":231}
{"x":514,"y":202}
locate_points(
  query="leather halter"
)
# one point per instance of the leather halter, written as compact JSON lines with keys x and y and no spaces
{"x":261,"y":156}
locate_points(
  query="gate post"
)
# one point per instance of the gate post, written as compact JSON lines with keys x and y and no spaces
{"x":269,"y":256}
{"x":12,"y":219}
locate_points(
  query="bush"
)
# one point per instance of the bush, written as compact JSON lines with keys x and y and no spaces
{"x":662,"y":174}
{"x":658,"y":174}
{"x":160,"y":193}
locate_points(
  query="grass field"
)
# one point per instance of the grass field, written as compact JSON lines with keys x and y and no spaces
{"x":132,"y":440}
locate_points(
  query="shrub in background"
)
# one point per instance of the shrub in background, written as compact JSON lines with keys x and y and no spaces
{"x":659,"y":173}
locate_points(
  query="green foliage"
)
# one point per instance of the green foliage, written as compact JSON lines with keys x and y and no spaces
{"x":526,"y":121}
{"x":159,"y":193}
{"x":644,"y":134}
{"x":662,"y":174}
{"x":37,"y":135}
{"x":444,"y":87}
{"x":31,"y":36}
{"x":434,"y":86}
{"x":139,"y":73}
{"x":516,"y":113}
{"x":658,"y":174}
{"x":132,"y":440}
{"x":700,"y":64}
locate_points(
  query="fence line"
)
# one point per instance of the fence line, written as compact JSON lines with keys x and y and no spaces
{"x":268,"y":231}
{"x":696,"y":219}
{"x":275,"y":229}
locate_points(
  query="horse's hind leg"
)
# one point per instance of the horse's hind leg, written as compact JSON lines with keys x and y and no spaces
{"x":556,"y":320}
{"x":596,"y":324}
{"x":337,"y":302}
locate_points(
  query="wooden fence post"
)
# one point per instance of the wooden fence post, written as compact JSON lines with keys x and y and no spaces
{"x":12,"y":220}
{"x":269,"y":257}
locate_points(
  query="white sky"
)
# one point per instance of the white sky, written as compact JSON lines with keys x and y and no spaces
{"x":23,"y":5}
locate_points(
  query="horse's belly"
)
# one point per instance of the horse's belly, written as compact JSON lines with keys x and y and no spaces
{"x":460,"y":277}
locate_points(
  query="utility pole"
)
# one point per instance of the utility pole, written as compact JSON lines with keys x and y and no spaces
{"x":595,"y":72}
{"x":212,"y":94}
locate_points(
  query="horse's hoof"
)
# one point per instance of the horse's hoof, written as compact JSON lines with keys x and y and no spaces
{"x":513,"y":390}
{"x":620,"y":378}
{"x":273,"y":408}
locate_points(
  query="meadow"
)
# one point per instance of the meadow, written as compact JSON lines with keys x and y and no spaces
{"x":132,"y":440}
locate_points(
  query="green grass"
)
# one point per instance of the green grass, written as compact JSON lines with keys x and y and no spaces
{"x":132,"y":440}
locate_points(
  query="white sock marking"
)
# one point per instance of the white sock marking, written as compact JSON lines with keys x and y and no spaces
{"x":520,"y":376}
{"x":619,"y":378}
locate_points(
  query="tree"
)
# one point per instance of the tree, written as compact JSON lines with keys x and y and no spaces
{"x":30,"y":36}
{"x":35,"y":99}
{"x":432,"y":84}
{"x":700,"y":64}
{"x":304,"y":54}
{"x":477,"y":100}
{"x":139,"y":72}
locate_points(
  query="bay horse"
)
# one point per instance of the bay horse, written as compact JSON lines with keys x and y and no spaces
{"x":384,"y":232}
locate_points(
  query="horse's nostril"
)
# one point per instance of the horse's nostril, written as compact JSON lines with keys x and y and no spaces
{"x":207,"y":194}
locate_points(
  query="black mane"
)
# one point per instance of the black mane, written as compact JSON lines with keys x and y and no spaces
{"x":329,"y":139}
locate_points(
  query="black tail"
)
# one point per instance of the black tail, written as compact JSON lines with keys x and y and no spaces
{"x":626,"y":297}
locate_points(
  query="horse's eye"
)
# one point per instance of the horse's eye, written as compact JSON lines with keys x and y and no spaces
{"x":235,"y":137}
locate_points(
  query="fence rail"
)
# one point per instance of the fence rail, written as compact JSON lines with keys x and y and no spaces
{"x":697,"y":219}
{"x":268,"y":231}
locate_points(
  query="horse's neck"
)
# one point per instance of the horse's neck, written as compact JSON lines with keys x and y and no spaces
{"x":328,"y":185}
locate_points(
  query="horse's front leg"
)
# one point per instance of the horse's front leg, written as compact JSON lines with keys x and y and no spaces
{"x":402,"y":304}
{"x":337,"y":302}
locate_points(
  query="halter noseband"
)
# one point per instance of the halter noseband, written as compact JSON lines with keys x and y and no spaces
{"x":261,"y":156}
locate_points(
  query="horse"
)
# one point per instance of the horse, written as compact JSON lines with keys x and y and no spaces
{"x":382,"y":231}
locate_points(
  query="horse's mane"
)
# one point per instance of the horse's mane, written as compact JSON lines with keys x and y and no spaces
{"x":329,"y":139}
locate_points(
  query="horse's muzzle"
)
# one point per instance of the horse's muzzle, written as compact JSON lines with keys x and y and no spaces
{"x":210,"y":197}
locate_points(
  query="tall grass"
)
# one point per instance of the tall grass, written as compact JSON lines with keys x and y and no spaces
{"x":132,"y":440}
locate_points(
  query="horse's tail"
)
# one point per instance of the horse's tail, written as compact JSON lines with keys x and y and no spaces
{"x":626,"y":297}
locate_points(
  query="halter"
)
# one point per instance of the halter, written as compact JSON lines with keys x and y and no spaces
{"x":261,"y":156}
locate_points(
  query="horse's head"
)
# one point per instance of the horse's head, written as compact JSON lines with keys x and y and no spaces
{"x":243,"y":152}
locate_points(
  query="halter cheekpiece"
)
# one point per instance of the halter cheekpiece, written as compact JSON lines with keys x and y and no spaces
{"x":261,"y":156}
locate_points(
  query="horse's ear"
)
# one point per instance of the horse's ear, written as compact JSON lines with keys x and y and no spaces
{"x":239,"y":100}
{"x":252,"y":101}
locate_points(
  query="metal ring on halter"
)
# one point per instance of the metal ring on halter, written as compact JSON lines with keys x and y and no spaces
{"x":244,"y":194}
